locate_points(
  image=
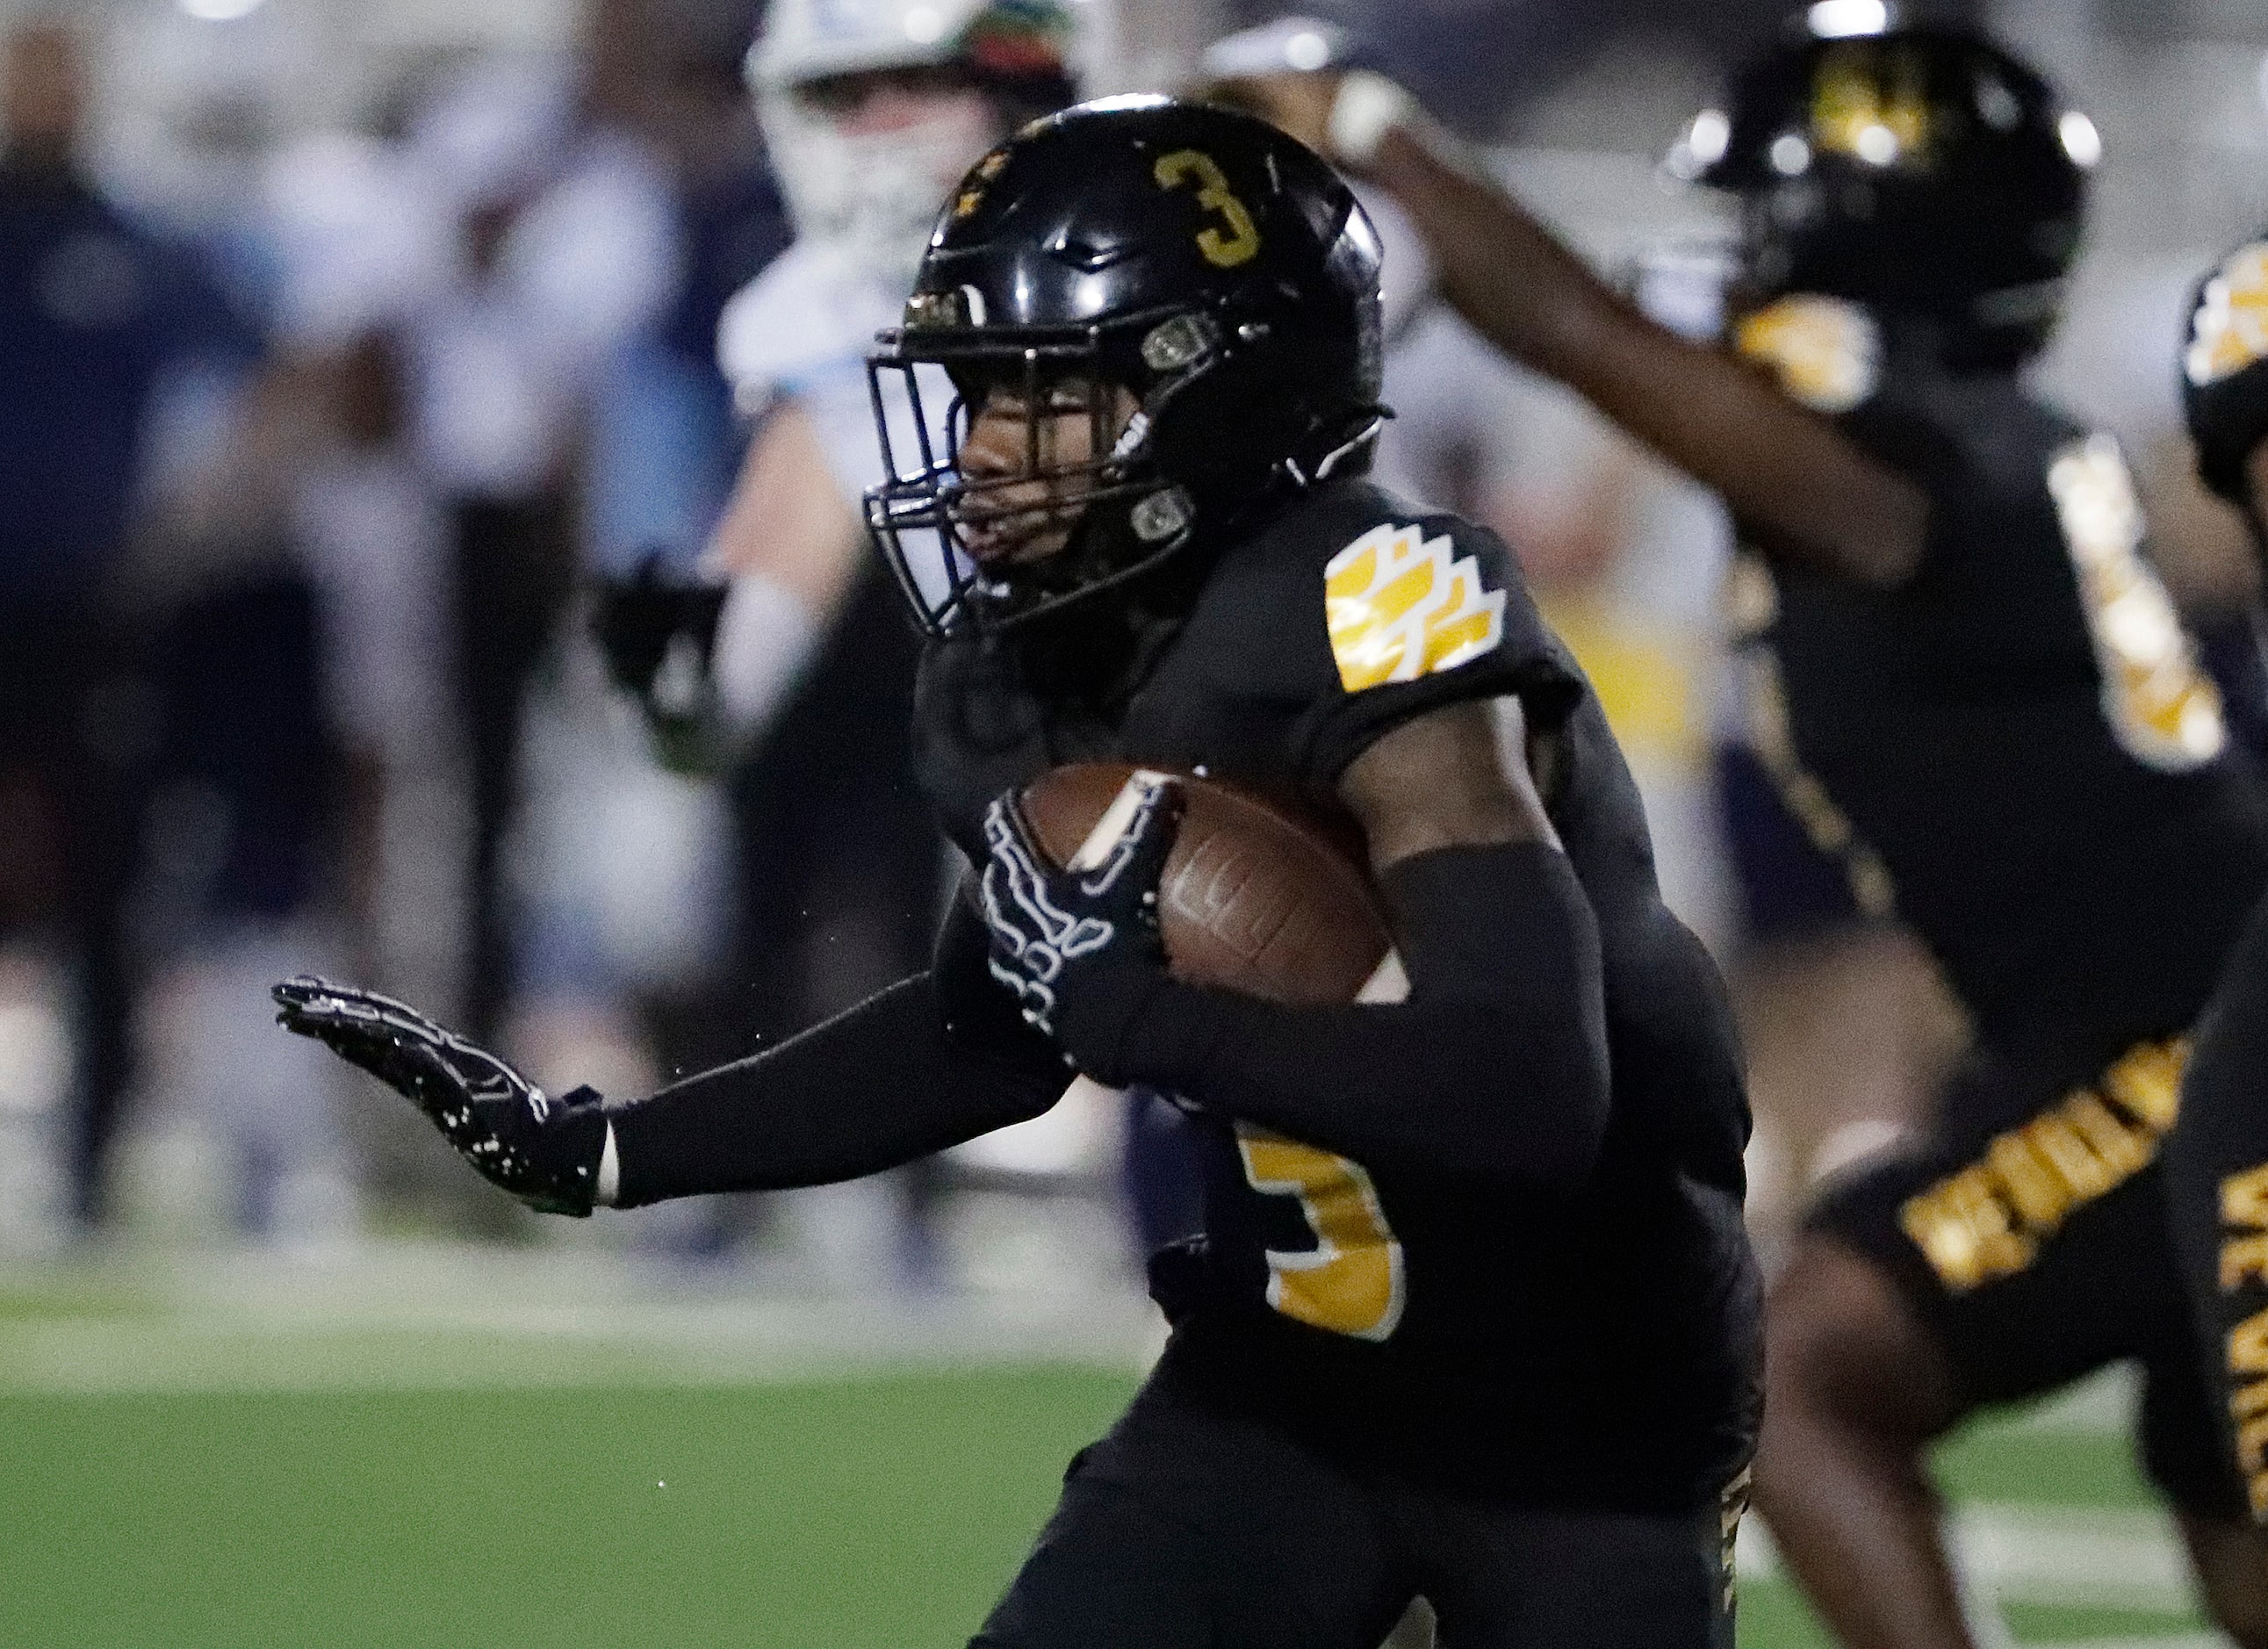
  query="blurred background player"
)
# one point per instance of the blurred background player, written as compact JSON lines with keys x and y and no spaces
{"x":1996,"y":696}
{"x":2217,"y":1159}
{"x":872,"y":110}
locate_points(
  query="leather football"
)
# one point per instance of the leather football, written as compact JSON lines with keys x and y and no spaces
{"x":1254,"y":898}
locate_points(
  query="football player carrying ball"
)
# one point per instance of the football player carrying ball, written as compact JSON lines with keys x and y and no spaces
{"x":1473,"y":1315}
{"x":1985,"y":683}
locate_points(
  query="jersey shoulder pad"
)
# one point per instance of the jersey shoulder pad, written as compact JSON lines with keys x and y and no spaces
{"x":806,"y":316}
{"x":1401,"y":610}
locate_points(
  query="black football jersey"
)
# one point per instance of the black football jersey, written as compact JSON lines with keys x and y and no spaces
{"x":1596,"y":1344}
{"x":2022,"y":732}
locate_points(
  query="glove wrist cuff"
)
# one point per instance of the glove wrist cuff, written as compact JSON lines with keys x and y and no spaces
{"x":578,"y":1135}
{"x":1166,"y":1032}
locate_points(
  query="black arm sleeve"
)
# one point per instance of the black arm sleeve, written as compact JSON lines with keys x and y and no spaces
{"x":1495,"y":1067}
{"x":932,"y":1061}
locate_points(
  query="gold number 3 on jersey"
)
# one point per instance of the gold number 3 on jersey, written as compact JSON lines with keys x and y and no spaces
{"x":1242,"y":241}
{"x":1350,"y":1282}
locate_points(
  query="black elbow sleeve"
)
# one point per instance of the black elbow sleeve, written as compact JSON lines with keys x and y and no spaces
{"x":1482,"y":921}
{"x":1508,"y":924}
{"x":1496,"y":1066}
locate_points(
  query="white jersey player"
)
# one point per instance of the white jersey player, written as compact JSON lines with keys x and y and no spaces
{"x":872,"y":110}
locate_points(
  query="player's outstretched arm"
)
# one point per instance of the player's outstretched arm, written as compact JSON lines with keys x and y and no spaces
{"x":1794,"y":480}
{"x":1496,"y":1065}
{"x":934,"y":1060}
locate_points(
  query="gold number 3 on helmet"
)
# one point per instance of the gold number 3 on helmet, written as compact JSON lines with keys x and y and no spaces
{"x":1214,"y":194}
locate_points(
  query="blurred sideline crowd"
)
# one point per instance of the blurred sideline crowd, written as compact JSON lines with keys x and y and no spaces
{"x":324,"y":452}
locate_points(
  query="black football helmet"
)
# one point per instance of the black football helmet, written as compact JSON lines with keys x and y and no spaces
{"x":1919,"y":169}
{"x":1191,"y":257}
{"x":2224,"y":376}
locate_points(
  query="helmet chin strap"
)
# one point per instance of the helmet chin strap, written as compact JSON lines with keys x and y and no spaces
{"x":1364,"y":437}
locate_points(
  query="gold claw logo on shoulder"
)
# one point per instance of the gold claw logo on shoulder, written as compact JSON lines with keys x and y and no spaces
{"x":1827,"y":353}
{"x":2231,"y":330}
{"x":1400,"y":605}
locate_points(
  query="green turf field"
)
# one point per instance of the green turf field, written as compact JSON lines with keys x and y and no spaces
{"x":348,"y":1502}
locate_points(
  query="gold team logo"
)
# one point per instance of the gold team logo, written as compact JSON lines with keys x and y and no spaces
{"x":2231,"y":329}
{"x":1400,"y":605}
{"x":1826,"y":353}
{"x":973,"y":187}
{"x":1732,"y":1507}
{"x":2162,"y":708}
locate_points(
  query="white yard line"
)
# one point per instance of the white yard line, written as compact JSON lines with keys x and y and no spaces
{"x":410,"y":1316}
{"x":2086,"y":1559}
{"x":2075,"y":1556}
{"x":2102,"y":1405}
{"x":592,"y":1350}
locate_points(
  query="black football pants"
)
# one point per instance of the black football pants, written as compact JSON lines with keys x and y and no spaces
{"x":2094,"y":1281}
{"x":2216,"y":1166}
{"x":1188,"y":1528}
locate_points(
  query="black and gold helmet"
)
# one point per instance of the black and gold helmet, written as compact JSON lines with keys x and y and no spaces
{"x":2224,"y":374}
{"x":1917,"y":169}
{"x":1191,"y":257}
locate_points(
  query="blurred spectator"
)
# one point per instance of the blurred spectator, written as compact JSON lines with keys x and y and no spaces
{"x":93,"y":310}
{"x":237,"y":881}
{"x":564,"y":246}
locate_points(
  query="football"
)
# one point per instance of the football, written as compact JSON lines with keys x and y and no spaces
{"x":1253,"y":899}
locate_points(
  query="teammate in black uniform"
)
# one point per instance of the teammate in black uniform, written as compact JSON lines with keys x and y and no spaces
{"x":2217,"y":1161}
{"x":1989,"y":689}
{"x":1473,"y":1317}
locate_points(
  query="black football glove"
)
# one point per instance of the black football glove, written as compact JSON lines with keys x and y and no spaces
{"x":543,"y":1150}
{"x":1081,"y":948}
{"x":658,"y":630}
